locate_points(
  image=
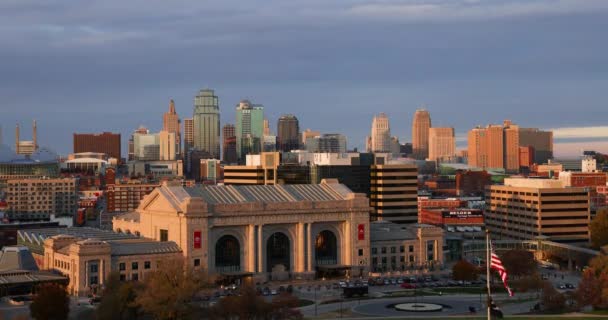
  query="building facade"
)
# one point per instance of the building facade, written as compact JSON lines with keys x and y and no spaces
{"x":167,"y":145}
{"x":442,"y":144}
{"x":541,"y":141}
{"x":206,"y":123}
{"x":188,"y":135}
{"x":249,"y":129}
{"x":327,"y":143}
{"x":105,"y":142}
{"x":420,"y":134}
{"x":527,"y":208}
{"x":267,"y":232}
{"x":123,"y":197}
{"x":47,"y":196}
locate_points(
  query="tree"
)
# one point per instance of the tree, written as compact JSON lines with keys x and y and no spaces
{"x":599,"y":228}
{"x":284,"y":307}
{"x":593,"y":288}
{"x":528,"y":283}
{"x":519,"y":262}
{"x":51,"y":302}
{"x":553,"y":301}
{"x":465,"y":271}
{"x":167,"y":292}
{"x":118,"y":300}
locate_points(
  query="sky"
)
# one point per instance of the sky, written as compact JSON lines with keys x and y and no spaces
{"x":112,"y":65}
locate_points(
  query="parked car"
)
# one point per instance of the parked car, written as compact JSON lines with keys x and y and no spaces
{"x":408,"y":286}
{"x":273,"y":292}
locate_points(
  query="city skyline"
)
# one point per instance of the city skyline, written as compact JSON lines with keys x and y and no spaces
{"x":540,"y":63}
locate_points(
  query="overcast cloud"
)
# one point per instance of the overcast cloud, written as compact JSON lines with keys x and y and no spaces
{"x":87,"y":66}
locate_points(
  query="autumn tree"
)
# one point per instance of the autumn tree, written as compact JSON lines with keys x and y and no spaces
{"x":519,"y":262}
{"x":51,"y":302}
{"x":528,"y":283}
{"x":249,"y":305}
{"x":599,"y":228}
{"x":166,"y":293}
{"x":593,"y":288}
{"x":118,"y":300}
{"x":553,"y":301}
{"x":465,"y":271}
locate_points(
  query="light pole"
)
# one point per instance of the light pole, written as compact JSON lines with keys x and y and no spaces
{"x":315,"y":291}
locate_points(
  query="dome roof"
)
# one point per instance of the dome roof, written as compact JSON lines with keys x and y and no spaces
{"x":7,"y":155}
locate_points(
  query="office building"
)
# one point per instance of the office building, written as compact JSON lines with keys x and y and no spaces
{"x":58,"y":196}
{"x":171,"y":124}
{"x":126,"y":196}
{"x":229,"y":144}
{"x":188,"y":135}
{"x":167,"y":145}
{"x":266,"y":127}
{"x":259,"y":170}
{"x":526,"y":157}
{"x":269,"y":143}
{"x":380,"y":137}
{"x":588,"y":164}
{"x":398,"y":248}
{"x":106,"y":142}
{"x":495,"y":146}
{"x":288,"y":133}
{"x":210,"y":171}
{"x":527,"y":208}
{"x":131,"y":145}
{"x":146,"y":146}
{"x":541,"y":141}
{"x":420,"y":134}
{"x":306,"y":134}
{"x":206,"y":123}
{"x":326,"y":143}
{"x":394,"y":192}
{"x":442,"y":144}
{"x":26,"y":147}
{"x":249,"y":129}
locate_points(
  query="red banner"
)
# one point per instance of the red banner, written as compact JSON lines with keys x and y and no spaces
{"x":361,"y":231}
{"x":197,"y":239}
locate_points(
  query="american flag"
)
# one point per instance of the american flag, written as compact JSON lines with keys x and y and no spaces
{"x":496,"y":264}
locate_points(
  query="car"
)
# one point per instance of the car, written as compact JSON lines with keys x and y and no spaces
{"x":570,"y":286}
{"x":408,"y":286}
{"x":393,"y":281}
{"x":387,"y":282}
{"x":273,"y":292}
{"x":562,"y":286}
{"x":413,"y":279}
{"x":342,"y":284}
{"x":428,"y":279}
{"x":400,"y":281}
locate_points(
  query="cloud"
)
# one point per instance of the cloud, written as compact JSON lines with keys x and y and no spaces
{"x":580,"y":132}
{"x":454,"y":10}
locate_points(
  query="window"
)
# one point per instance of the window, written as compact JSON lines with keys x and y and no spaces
{"x":93,"y":280}
{"x":393,"y":250}
{"x":197,"y":262}
{"x":134,"y":265}
{"x":146,"y":264}
{"x":383,"y":250}
{"x":374,"y":250}
{"x":360,"y":252}
{"x":122,"y":277}
{"x":164,"y":235}
{"x":411,"y":248}
{"x":94,"y":268}
{"x":402,"y":249}
{"x":122,"y":266}
{"x":135,"y":277}
{"x":411,"y":258}
{"x":402,"y":259}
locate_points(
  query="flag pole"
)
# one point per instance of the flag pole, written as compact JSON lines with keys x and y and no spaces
{"x":489,"y":301}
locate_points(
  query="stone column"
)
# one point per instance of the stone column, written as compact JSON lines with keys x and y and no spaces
{"x":260,"y":250}
{"x":300,"y":249}
{"x":346,"y":244}
{"x":310,"y":245}
{"x":251,"y":245}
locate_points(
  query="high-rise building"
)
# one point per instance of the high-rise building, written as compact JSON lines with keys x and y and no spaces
{"x":206,"y":126}
{"x":229,"y":143}
{"x":288,"y":133}
{"x":42,"y":196}
{"x":146,"y":146}
{"x":420,"y":134}
{"x":167,"y":145}
{"x":188,"y":134}
{"x":266,"y":127}
{"x":442,"y":144}
{"x":171,"y":124}
{"x":394,"y":193}
{"x":541,"y":141}
{"x":106,"y":142}
{"x":131,"y":151}
{"x":26,"y":147}
{"x":249,"y":129}
{"x":494,"y":146}
{"x":380,"y":138}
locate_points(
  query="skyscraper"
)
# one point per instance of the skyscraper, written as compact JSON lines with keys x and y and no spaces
{"x":167,"y":145}
{"x":541,"y":141}
{"x":131,"y":146}
{"x":171,"y":124}
{"x":206,"y":126}
{"x":442,"y":144}
{"x":229,"y":144}
{"x":288,"y":133}
{"x":420,"y":134}
{"x":266,"y":127}
{"x":188,"y":134}
{"x":249,"y":128}
{"x":380,"y":138}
